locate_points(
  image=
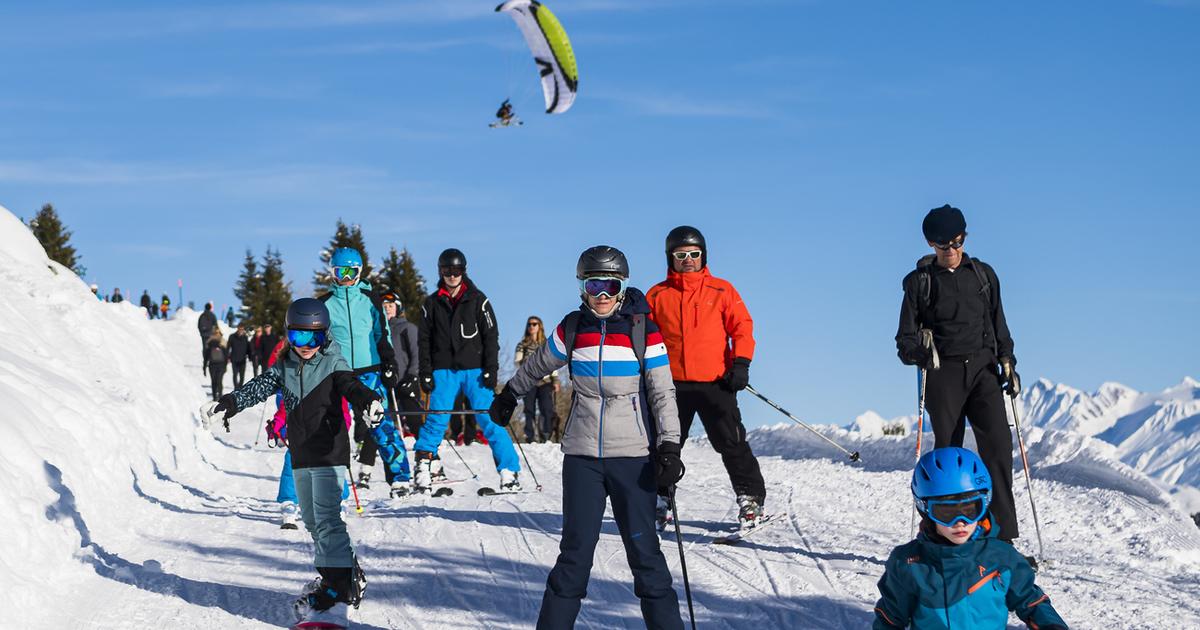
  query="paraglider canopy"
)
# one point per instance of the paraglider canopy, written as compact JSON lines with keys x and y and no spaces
{"x":551,"y":51}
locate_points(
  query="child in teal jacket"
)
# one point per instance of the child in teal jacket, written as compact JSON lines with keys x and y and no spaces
{"x":957,"y":574}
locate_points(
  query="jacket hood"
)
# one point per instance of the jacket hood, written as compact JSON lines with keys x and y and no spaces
{"x":341,"y":291}
{"x":680,"y":280}
{"x":633,"y":303}
{"x":940,"y":547}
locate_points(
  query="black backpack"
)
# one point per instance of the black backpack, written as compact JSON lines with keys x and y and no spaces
{"x":924,"y":287}
{"x":216,"y":354}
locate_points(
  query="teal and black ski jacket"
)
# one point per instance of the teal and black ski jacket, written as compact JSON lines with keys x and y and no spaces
{"x":929,"y":585}
{"x":358,"y":324}
{"x":312,"y":396}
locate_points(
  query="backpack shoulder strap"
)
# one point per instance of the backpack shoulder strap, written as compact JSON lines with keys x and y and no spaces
{"x":924,"y":283}
{"x":637,"y":337}
{"x":985,"y":283}
{"x":570,"y":326}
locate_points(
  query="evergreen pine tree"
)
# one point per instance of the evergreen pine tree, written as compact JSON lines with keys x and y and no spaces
{"x":275,"y":292}
{"x":399,"y":275}
{"x":343,"y":236}
{"x":248,"y":290}
{"x":55,"y":239}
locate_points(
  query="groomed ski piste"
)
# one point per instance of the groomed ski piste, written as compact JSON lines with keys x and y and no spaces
{"x":123,"y":511}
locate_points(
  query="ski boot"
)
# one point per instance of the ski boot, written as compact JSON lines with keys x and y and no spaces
{"x":364,"y":479}
{"x":749,"y":510}
{"x":662,"y":514}
{"x":399,"y":489}
{"x":326,"y":601}
{"x":509,"y":481}
{"x":290,"y":515}
{"x":423,"y":473}
{"x":437,"y":473}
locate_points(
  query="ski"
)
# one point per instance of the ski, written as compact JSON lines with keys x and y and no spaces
{"x":289,"y":526}
{"x":491,"y":492}
{"x":740,"y":535}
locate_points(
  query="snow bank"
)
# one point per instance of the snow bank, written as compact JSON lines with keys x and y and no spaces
{"x":94,"y":400}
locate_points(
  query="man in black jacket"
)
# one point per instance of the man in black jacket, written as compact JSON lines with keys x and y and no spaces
{"x":239,"y":351}
{"x":958,"y":299}
{"x":206,"y":326}
{"x":148,"y":304}
{"x":459,"y":352}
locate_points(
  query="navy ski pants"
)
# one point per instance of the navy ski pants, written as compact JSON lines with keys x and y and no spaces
{"x":629,"y":483}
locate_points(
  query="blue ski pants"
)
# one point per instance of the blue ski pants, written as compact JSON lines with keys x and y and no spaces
{"x":287,"y":483}
{"x":447,"y":384}
{"x":629,"y":483}
{"x":390,"y":441}
{"x":320,"y":490}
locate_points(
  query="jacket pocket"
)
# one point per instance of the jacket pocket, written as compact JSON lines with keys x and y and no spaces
{"x":637,"y":417}
{"x":570,"y":417}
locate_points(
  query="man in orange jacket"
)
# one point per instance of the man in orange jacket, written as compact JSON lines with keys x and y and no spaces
{"x":710,"y":342}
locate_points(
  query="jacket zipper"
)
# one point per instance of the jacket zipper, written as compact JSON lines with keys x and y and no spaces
{"x":350,"y":323}
{"x":637,"y":418}
{"x":600,"y":386}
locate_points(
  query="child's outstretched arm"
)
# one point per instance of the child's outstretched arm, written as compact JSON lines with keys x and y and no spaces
{"x":897,"y":597}
{"x":1028,"y":601}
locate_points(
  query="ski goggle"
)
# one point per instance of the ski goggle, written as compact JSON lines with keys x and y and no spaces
{"x":949,"y":511}
{"x":452,"y":272}
{"x":345,"y":273}
{"x":306,"y":338}
{"x":596,"y":287}
{"x":694,"y":254}
{"x":956,"y":243}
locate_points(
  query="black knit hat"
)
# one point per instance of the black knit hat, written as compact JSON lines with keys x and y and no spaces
{"x":941,"y":225}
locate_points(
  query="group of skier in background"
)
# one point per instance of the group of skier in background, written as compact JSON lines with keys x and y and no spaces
{"x":641,"y":367}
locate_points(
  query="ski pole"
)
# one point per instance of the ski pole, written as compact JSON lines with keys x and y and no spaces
{"x":354,"y":491}
{"x":262,"y":423}
{"x":854,"y":457}
{"x":460,"y":458}
{"x":1028,"y":480}
{"x":912,"y":517}
{"x":687,"y":587}
{"x":527,"y":466}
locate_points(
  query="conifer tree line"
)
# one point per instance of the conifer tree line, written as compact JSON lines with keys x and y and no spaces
{"x":265,"y":294}
{"x":55,"y":239}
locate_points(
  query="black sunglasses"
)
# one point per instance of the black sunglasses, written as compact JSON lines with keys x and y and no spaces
{"x":956,"y":243}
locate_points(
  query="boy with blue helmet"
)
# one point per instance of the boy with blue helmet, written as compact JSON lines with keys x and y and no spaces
{"x":957,"y":573}
{"x":358,"y":324}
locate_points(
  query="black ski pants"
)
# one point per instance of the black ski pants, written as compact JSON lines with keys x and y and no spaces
{"x":539,"y":400}
{"x":722,"y":421}
{"x":216,"y":371}
{"x":239,"y":373}
{"x":970,"y":387}
{"x":370,"y":448}
{"x":588,"y":484}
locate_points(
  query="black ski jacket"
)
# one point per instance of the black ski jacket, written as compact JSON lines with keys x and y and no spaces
{"x":239,"y":348}
{"x":963,"y":317}
{"x":458,"y":337}
{"x":206,"y":324}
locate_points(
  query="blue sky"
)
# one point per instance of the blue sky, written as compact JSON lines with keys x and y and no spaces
{"x":806,"y":138}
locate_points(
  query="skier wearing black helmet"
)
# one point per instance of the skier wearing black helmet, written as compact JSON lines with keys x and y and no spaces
{"x":614,"y":450}
{"x":459,"y":353}
{"x":958,"y":298}
{"x":710,"y":349}
{"x":315,"y":377}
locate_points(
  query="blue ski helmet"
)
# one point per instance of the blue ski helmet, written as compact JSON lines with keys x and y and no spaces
{"x":346,"y":257}
{"x":950,"y":470}
{"x":307,"y":314}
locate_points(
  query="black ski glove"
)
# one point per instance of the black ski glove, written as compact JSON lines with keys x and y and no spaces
{"x":426,"y":383}
{"x":919,"y":356}
{"x":228,"y":405}
{"x":737,"y":377}
{"x":503,"y":406}
{"x":489,"y":379}
{"x":1009,"y":376}
{"x":388,"y":377}
{"x":668,"y":467}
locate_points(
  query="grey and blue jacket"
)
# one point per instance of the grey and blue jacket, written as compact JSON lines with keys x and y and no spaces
{"x":312,"y":397}
{"x":608,"y":415}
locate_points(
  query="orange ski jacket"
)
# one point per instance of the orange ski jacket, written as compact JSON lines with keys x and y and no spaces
{"x":704,"y":323}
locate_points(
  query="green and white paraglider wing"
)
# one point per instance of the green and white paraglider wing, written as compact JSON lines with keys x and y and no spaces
{"x":551,"y":50}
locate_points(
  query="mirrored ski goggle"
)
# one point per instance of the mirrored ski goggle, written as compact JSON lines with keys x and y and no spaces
{"x":346,"y":273}
{"x":596,"y":287}
{"x":694,"y":254}
{"x":956,"y":243}
{"x":452,"y":272}
{"x":950,"y":511}
{"x":306,"y":338}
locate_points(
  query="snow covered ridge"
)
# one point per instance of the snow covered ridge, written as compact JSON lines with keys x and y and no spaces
{"x":94,"y":404}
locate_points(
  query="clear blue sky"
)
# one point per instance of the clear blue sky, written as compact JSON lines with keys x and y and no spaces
{"x":807,"y":140}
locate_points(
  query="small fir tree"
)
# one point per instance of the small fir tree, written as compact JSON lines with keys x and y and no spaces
{"x":275,"y":293}
{"x":248,"y":289}
{"x":55,"y":239}
{"x":399,"y":275}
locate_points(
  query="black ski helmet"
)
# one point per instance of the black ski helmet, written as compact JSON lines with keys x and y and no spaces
{"x":307,"y":314}
{"x":942,"y":224}
{"x":452,"y":258}
{"x":683,"y":236}
{"x":602,"y":260}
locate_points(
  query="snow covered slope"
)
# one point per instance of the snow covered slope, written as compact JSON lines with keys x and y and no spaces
{"x":124,"y":512}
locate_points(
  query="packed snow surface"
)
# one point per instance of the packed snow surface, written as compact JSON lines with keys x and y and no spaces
{"x":124,"y":511}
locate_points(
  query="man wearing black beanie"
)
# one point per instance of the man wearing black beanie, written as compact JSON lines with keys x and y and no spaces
{"x":958,"y":298}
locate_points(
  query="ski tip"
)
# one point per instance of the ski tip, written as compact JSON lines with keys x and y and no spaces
{"x":485,"y":492}
{"x":854,"y":457}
